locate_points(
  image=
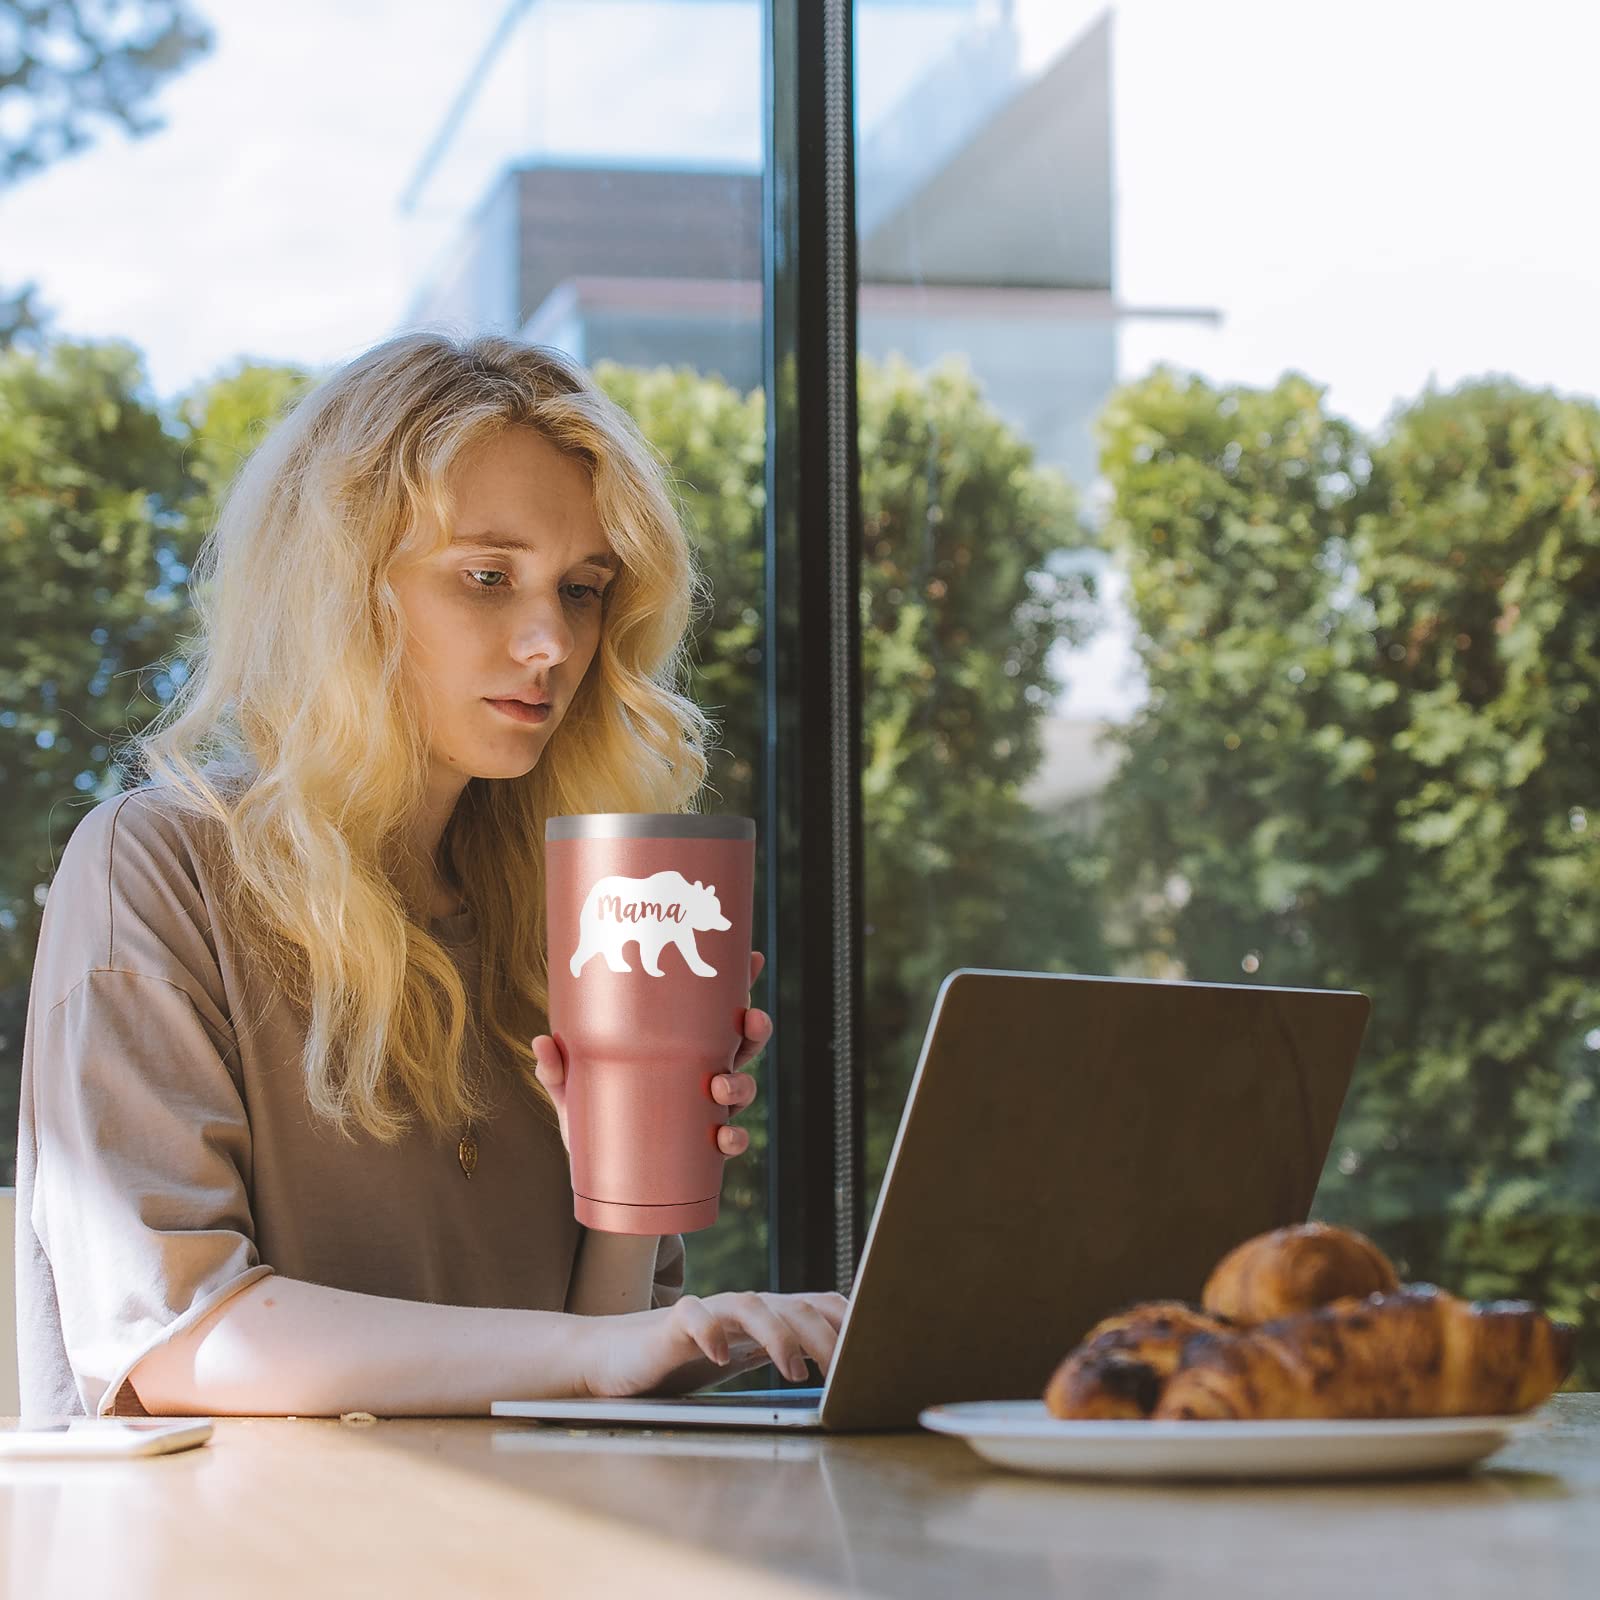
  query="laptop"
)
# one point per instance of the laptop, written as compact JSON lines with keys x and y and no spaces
{"x":1069,"y":1145}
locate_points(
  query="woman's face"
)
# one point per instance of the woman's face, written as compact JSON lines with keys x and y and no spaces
{"x":510,"y":611}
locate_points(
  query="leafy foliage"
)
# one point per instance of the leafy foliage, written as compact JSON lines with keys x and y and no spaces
{"x":1369,"y":759}
{"x":103,"y":502}
{"x":92,"y":545}
{"x":962,"y":606}
{"x":959,"y":614}
{"x":959,"y":621}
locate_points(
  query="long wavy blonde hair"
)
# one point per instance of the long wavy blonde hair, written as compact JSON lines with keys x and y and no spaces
{"x":299,"y":730}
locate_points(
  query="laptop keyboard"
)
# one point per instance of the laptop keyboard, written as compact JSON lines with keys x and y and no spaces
{"x":809,"y":1398}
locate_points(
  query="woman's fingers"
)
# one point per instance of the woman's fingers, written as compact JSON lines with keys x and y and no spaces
{"x":757,"y":1031}
{"x":755,"y":1315}
{"x":819,"y":1334}
{"x":705,"y":1329}
{"x":828,"y":1303}
{"x":786,"y":1328}
{"x":552,"y":1064}
{"x":737,"y":1331}
{"x":736,"y":1089}
{"x":551,"y":1071}
{"x":711,"y":1336}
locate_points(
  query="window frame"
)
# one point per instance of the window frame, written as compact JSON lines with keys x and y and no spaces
{"x":811,"y":760}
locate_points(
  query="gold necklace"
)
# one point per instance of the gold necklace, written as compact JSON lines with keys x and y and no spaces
{"x":467,"y":1151}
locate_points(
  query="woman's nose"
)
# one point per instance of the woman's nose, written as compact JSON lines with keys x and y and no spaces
{"x":546,"y":635}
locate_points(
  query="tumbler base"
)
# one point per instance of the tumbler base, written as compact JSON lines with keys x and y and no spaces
{"x":610,"y":1216}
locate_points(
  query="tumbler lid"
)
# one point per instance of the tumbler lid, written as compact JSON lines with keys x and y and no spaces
{"x":648,"y":825}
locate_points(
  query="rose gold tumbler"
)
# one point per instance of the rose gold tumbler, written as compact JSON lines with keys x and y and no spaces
{"x":649,"y":952}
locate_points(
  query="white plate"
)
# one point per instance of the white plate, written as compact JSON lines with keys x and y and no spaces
{"x":1023,"y":1434}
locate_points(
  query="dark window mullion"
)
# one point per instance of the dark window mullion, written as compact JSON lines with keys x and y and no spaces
{"x":811,"y":781}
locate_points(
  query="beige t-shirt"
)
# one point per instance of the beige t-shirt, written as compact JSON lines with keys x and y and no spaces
{"x":166,"y":1157}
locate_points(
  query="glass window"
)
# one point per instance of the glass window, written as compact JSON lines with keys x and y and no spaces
{"x":1229,"y":478}
{"x":289,"y":188}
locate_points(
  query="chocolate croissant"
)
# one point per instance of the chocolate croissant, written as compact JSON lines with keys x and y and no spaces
{"x":1296,"y":1269}
{"x":1117,"y":1370}
{"x":1421,"y":1352}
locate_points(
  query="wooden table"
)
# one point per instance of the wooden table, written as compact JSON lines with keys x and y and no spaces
{"x":300,"y":1509}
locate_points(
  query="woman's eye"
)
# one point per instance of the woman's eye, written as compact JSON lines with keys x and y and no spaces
{"x":582,"y":593}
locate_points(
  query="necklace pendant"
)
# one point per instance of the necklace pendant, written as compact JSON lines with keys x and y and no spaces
{"x":467,"y":1153}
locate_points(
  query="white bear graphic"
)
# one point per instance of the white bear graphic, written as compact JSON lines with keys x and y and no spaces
{"x":654,"y":912}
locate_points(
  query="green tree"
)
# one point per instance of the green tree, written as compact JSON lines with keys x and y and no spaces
{"x":92,"y":547}
{"x":960,"y":610}
{"x":959,"y":607}
{"x":1479,"y":556}
{"x":65,"y":65}
{"x":963,"y":603}
{"x":1230,"y":832}
{"x":88,"y":478}
{"x":106,"y":498}
{"x":957,"y":627}
{"x":1367,"y":759}
{"x":712,"y":440}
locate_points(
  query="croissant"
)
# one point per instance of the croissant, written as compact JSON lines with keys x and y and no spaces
{"x":1296,"y":1269}
{"x":1117,"y":1370}
{"x":1421,"y":1352}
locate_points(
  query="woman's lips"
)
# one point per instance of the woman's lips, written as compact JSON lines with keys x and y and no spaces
{"x":520,"y":711}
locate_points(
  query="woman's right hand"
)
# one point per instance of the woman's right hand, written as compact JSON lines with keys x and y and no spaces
{"x":696,"y":1341}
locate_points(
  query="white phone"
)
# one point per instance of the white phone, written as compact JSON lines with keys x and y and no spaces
{"x":102,"y":1436}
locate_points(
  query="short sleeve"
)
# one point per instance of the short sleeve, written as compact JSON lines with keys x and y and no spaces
{"x":141,"y":1189}
{"x":668,"y":1284}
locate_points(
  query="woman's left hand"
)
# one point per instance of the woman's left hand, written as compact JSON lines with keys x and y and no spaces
{"x":736,"y":1089}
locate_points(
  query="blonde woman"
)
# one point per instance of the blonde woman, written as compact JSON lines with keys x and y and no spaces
{"x":292,"y":1139}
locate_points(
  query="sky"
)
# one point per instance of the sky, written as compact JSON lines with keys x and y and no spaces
{"x":1381,"y":194}
{"x":1377,"y":192}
